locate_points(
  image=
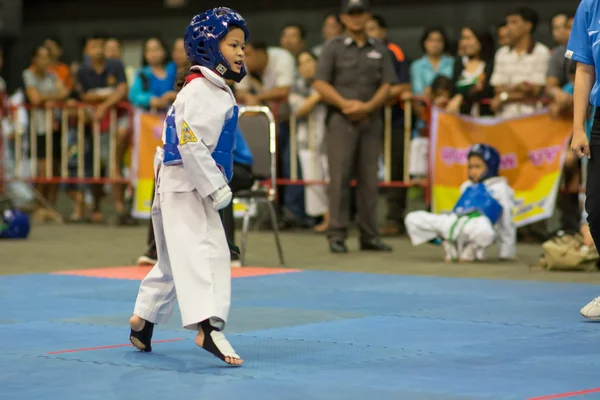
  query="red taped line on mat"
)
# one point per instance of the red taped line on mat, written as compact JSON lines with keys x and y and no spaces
{"x":111,"y":347}
{"x":564,"y":395}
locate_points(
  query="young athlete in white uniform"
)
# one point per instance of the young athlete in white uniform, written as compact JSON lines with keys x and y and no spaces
{"x":482,"y":215}
{"x":192,"y":174}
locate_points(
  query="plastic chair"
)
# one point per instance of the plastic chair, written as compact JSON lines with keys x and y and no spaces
{"x":258,"y":125}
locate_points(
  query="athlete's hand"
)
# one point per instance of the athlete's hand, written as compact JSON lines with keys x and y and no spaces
{"x":221,"y":197}
{"x":580,"y":144}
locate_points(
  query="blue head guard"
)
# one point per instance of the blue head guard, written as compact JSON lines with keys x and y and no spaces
{"x":202,"y":40}
{"x":14,"y":224}
{"x":490,"y":157}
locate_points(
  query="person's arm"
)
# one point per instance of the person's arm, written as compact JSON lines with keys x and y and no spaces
{"x":324,"y":77}
{"x":579,"y":49}
{"x":203,"y":122}
{"x":416,"y":78}
{"x":275,"y":94}
{"x":34,"y":96}
{"x":389,"y":78}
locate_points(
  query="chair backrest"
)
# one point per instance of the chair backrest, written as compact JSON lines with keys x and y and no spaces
{"x":258,"y":127}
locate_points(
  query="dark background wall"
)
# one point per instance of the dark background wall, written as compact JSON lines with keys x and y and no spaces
{"x":71,"y":20}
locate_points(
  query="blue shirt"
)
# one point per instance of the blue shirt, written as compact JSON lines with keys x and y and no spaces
{"x":584,"y":42}
{"x":146,"y":85}
{"x":241,"y":151}
{"x":422,"y":72}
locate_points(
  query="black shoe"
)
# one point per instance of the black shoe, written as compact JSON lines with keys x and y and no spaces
{"x":142,"y":340}
{"x":374,"y":244}
{"x":337,"y":246}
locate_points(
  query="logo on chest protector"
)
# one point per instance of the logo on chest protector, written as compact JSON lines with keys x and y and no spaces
{"x":187,"y":136}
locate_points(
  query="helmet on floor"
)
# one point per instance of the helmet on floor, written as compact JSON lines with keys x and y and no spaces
{"x":203,"y":35}
{"x":14,"y":224}
{"x":490,"y":157}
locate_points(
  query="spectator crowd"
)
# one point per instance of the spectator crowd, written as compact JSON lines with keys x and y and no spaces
{"x":503,"y":72}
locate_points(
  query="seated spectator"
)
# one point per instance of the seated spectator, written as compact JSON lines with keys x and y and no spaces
{"x":520,"y":69}
{"x":293,"y":38}
{"x":332,"y":27}
{"x":472,"y":73}
{"x":434,"y":62}
{"x":60,"y":69}
{"x":311,"y":113}
{"x":42,"y":89}
{"x":102,"y":83}
{"x":154,"y":84}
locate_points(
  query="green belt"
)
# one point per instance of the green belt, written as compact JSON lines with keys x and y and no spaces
{"x":468,"y":216}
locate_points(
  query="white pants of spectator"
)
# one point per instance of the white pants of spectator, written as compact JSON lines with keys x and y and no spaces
{"x":193,"y":265}
{"x":313,"y":161}
{"x":472,"y":235}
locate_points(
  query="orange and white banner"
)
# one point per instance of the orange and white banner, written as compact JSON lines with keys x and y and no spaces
{"x":147,"y":136}
{"x":532,"y":150}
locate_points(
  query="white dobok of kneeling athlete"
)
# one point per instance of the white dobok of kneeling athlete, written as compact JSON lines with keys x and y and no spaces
{"x":482,"y":215}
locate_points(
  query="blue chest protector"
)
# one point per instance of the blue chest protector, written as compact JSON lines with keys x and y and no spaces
{"x":223,"y":152}
{"x":477,"y":198}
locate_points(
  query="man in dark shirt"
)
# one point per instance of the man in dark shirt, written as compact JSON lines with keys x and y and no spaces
{"x":354,"y":76}
{"x":102,"y":83}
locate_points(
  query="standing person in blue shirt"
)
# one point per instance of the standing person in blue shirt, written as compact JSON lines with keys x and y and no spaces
{"x":583,"y":48}
{"x":154,"y":84}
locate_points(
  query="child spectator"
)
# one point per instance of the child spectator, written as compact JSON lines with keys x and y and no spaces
{"x":482,"y":215}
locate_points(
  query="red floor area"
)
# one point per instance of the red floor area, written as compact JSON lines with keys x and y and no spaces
{"x":138,"y":273}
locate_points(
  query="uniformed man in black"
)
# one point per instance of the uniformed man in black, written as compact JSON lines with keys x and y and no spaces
{"x":353,"y":76}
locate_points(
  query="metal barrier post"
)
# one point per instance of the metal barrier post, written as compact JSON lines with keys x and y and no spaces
{"x":64,"y":143}
{"x":387,"y":144}
{"x":112,"y":143}
{"x":18,"y":143}
{"x":33,"y":141}
{"x":80,"y":142}
{"x":96,"y":155}
{"x":407,"y":135}
{"x":293,"y":148}
{"x":49,"y":155}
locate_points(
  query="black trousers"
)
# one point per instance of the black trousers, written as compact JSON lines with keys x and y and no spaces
{"x":592,"y":199}
{"x":242,"y":180}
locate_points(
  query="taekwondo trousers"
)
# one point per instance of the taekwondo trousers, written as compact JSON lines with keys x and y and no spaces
{"x":193,"y":265}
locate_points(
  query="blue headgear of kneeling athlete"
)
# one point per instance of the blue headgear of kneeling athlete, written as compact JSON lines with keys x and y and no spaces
{"x":14,"y":224}
{"x":202,"y":40}
{"x":490,"y":157}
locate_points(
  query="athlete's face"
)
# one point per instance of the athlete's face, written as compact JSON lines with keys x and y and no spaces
{"x":476,"y":168}
{"x":232,"y":47}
